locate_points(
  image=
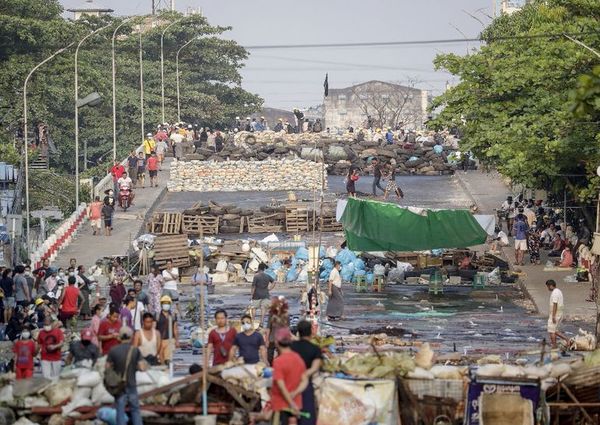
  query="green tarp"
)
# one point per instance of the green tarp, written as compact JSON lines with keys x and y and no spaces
{"x":379,"y":226}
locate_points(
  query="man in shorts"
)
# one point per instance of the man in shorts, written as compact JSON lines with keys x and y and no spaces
{"x":95,"y":215}
{"x":555,"y":312}
{"x":261,"y":285}
{"x":520,"y":229}
{"x":152,"y":165}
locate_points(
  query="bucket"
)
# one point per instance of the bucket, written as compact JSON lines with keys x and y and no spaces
{"x":205,"y":420}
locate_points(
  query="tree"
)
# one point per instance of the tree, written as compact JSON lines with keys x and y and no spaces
{"x":512,"y":104}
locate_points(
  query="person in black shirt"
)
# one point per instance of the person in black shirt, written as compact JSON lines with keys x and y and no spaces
{"x":8,"y":288}
{"x":311,"y":354}
{"x":376,"y":176}
{"x":84,"y":349}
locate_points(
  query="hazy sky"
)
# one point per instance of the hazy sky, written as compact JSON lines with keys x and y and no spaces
{"x":287,"y":78}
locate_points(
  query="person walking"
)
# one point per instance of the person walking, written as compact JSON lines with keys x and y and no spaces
{"x":248,"y":344}
{"x":155,"y":284}
{"x":312,"y":357}
{"x":50,"y":339}
{"x":149,"y":145}
{"x":260,"y":297}
{"x":8,"y":289}
{"x":152,"y":165}
{"x":68,"y":303}
{"x":108,"y":209}
{"x":126,"y":360}
{"x":220,"y":339}
{"x":335,"y":306}
{"x":95,"y":215}
{"x":24,"y":350}
{"x":351,"y":180}
{"x":170,"y":276}
{"x":376,"y":176}
{"x":148,"y":340}
{"x":555,"y":313}
{"x":84,"y":284}
{"x":169,"y":332}
{"x":520,"y":229}
{"x":22,"y":292}
{"x":392,"y":186}
{"x":141,"y":170}
{"x":132,"y":164}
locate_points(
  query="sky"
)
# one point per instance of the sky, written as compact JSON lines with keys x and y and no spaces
{"x":288,"y":78}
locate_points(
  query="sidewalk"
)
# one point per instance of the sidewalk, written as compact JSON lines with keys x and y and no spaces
{"x":488,"y":192}
{"x":87,"y":248}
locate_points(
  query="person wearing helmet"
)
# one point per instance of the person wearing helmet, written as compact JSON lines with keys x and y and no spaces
{"x":149,"y":144}
{"x":167,"y":327}
{"x":84,"y":349}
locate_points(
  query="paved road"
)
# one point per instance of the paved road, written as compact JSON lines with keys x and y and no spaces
{"x":87,"y":248}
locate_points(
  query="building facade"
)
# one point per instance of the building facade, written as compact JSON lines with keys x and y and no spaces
{"x":377,"y":104}
{"x":89,"y":8}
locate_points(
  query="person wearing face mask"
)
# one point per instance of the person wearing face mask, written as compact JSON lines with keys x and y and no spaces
{"x":167,"y":327}
{"x":30,"y":281}
{"x":50,"y":339}
{"x":249,"y":344}
{"x":24,"y":350}
{"x":84,"y":349}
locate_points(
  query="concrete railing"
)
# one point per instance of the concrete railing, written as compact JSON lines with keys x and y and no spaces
{"x":61,"y":238}
{"x":107,"y":181}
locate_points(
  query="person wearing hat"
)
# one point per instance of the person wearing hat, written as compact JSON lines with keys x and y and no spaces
{"x":167,"y":327}
{"x":83,"y":349}
{"x":264,"y":126}
{"x":279,"y":126}
{"x":116,"y":171}
{"x":149,"y":144}
{"x":126,"y":360}
{"x":289,"y":379}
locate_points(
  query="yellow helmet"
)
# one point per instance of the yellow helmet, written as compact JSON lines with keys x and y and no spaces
{"x":38,"y":301}
{"x":165,"y":299}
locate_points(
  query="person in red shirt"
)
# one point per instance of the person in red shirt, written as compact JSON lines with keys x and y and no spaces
{"x":152,"y":165}
{"x":108,"y":333}
{"x":51,"y":339}
{"x":117,"y":171}
{"x":24,"y":350}
{"x":95,"y":215}
{"x":68,"y":301}
{"x":289,"y":380}
{"x":220,"y":340}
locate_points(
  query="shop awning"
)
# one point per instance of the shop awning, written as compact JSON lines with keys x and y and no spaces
{"x":380,"y":226}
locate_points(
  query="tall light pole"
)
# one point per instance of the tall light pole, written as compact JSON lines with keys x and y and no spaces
{"x":114,"y":88}
{"x":142,"y":85}
{"x":162,"y":66}
{"x":25,"y":141}
{"x":177,"y":75}
{"x":77,"y":112}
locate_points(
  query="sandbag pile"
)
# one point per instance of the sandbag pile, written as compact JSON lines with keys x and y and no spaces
{"x":233,"y":176}
{"x":338,"y":151}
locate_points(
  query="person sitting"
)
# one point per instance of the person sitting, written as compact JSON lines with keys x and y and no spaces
{"x":126,"y":184}
{"x":84,"y":349}
{"x":558,"y":244}
{"x":566,"y":257}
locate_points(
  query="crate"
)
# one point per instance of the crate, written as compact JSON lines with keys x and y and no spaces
{"x":296,"y":218}
{"x":328,"y":223}
{"x":165,"y":223}
{"x":171,"y":247}
{"x":264,"y":224}
{"x":200,"y":225}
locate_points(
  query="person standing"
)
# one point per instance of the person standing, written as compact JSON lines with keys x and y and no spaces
{"x":220,"y":340}
{"x":108,"y":209}
{"x":335,"y":306}
{"x":351,"y":180}
{"x":249,"y":344}
{"x":555,"y":311}
{"x":520,"y":229}
{"x":117,"y":291}
{"x":24,"y":350}
{"x":116,"y":172}
{"x":200,"y":280}
{"x":51,"y":339}
{"x":68,"y":302}
{"x":509,"y":210}
{"x":170,"y":276}
{"x":108,"y":332}
{"x":132,"y":164}
{"x":262,"y":283}
{"x":22,"y":293}
{"x":30,"y":282}
{"x":125,"y":311}
{"x":95,"y":323}
{"x":148,"y":340}
{"x":84,"y":284}
{"x":95,"y":215}
{"x":376,"y":176}
{"x":126,"y":360}
{"x":84,"y":349}
{"x":152,"y":164}
{"x":169,"y":332}
{"x":141,"y":170}
{"x":8,"y":288}
{"x":533,"y":244}
{"x":289,"y":380}
{"x":155,"y":284}
{"x":149,"y":145}
{"x":312,"y":357}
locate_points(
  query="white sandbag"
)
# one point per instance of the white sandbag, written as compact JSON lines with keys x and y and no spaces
{"x":271,"y":238}
{"x":240,"y":373}
{"x":560,"y":369}
{"x":6,"y":394}
{"x":81,"y":392}
{"x":378,"y":270}
{"x":160,"y":375}
{"x":141,"y":389}
{"x":72,"y":373}
{"x":424,"y":357}
{"x":447,"y":372}
{"x":535,"y":372}
{"x":511,"y":371}
{"x":490,"y":370}
{"x":24,"y":421}
{"x":68,"y":408}
{"x":90,"y":379}
{"x":220,"y":277}
{"x":164,"y":380}
{"x":38,"y":401}
{"x":221,"y":266}
{"x":100,"y":365}
{"x":420,"y":373}
{"x":101,"y":396}
{"x":59,"y":392}
{"x":143,"y":378}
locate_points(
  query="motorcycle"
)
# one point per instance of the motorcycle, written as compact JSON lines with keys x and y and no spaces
{"x":125,"y":198}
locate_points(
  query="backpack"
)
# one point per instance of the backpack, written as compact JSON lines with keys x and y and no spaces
{"x":115,"y":383}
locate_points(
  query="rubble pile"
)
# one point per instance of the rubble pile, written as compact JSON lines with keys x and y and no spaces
{"x":339,"y":151}
{"x":247,"y":175}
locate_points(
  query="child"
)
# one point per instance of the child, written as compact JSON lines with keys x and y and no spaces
{"x":24,"y":350}
{"x":392,"y":186}
{"x":141,"y":168}
{"x":351,"y":180}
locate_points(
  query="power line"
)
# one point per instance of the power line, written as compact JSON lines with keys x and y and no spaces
{"x":416,"y":42}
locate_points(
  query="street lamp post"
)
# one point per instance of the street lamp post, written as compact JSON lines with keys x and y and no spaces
{"x":77,"y":112}
{"x":142,"y":85}
{"x":114,"y":88}
{"x":162,"y":66}
{"x":25,"y":130}
{"x":177,"y":75}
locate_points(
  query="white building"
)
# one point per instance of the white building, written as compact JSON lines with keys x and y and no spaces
{"x":89,"y":8}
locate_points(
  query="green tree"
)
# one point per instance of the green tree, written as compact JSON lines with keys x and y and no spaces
{"x":512,"y":104}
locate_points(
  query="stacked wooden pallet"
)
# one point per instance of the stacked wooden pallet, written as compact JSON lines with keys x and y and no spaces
{"x":165,"y":223}
{"x":264,"y":223}
{"x":328,"y":223}
{"x":171,"y":247}
{"x":296,"y":218}
{"x":200,"y":225}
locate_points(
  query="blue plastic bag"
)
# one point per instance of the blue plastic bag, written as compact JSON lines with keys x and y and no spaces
{"x":345,"y":256}
{"x":347,"y":272}
{"x":276,"y":266}
{"x":370,"y":277}
{"x":292,"y":274}
{"x":302,"y":254}
{"x":359,"y":273}
{"x":359,"y":264}
{"x":271,"y":273}
{"x":109,"y":415}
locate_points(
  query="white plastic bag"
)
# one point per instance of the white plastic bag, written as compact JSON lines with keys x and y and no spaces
{"x":101,"y":396}
{"x":89,"y":379}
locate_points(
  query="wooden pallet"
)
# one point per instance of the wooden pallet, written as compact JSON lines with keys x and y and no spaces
{"x":296,"y":218}
{"x":264,"y":224}
{"x":165,"y":223}
{"x":330,"y":224}
{"x":171,"y":247}
{"x":200,"y":225}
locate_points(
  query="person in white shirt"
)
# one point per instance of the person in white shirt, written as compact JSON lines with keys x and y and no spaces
{"x":509,"y":207}
{"x":335,"y":306}
{"x":170,"y":276}
{"x":137,"y":311}
{"x":555,"y":312}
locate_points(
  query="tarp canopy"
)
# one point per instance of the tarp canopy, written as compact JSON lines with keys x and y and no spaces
{"x":380,"y":226}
